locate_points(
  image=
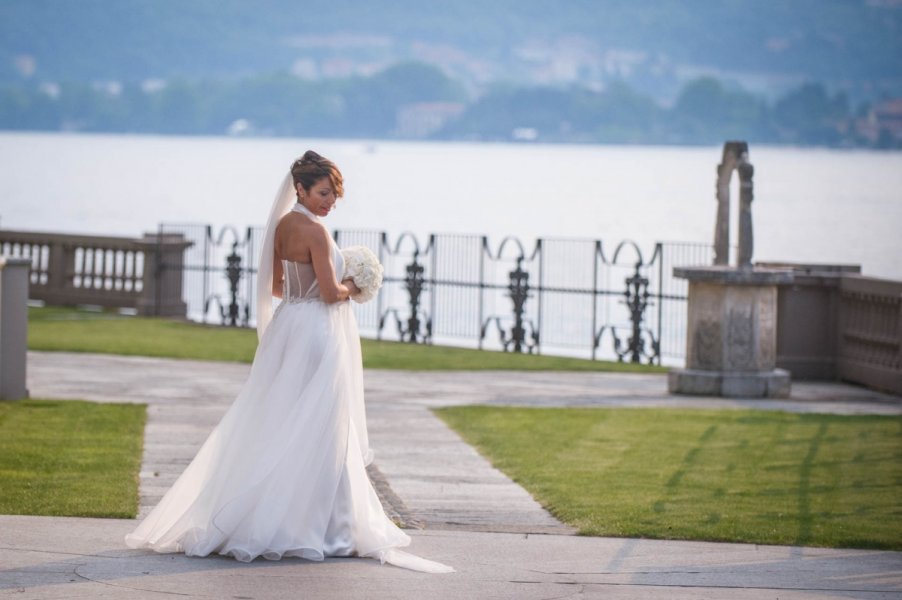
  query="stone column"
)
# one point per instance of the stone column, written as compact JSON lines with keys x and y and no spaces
{"x":731,"y":345}
{"x":722,"y":220}
{"x":13,"y":326}
{"x":746,"y":194}
{"x":164,"y":264}
{"x":733,"y":152}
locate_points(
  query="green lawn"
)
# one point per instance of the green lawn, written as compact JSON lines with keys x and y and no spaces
{"x":63,"y":329}
{"x":720,"y":475}
{"x":70,"y":458}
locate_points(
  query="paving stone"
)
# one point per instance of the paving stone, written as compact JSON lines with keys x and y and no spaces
{"x":53,"y":557}
{"x":502,"y":542}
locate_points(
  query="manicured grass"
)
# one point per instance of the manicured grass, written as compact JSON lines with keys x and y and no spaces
{"x":720,"y":475}
{"x":70,"y":458}
{"x":417,"y":357}
{"x":61,"y":329}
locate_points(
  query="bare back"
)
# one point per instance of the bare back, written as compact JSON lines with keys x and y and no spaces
{"x":296,"y":234}
{"x":304,"y":241}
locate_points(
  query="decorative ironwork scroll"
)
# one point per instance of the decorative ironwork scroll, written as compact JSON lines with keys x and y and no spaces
{"x":561,"y":294}
{"x":233,"y":274}
{"x":417,"y":326}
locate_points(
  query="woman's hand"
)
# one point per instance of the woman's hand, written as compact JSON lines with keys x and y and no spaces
{"x":353,"y":290}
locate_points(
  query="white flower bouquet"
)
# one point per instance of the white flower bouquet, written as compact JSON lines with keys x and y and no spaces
{"x":362,"y":266}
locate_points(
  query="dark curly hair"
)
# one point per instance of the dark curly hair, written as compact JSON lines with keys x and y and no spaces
{"x":312,"y":167}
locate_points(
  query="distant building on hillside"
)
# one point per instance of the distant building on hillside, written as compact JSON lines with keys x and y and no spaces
{"x":883,"y":124}
{"x":422,"y":119}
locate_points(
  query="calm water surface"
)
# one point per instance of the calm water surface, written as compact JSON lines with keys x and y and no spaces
{"x":811,"y":205}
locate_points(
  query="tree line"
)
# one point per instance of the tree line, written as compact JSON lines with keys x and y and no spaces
{"x":280,"y":104}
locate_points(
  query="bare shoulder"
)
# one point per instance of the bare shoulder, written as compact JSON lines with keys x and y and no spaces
{"x":294,"y":223}
{"x":297,"y":235}
{"x":315,"y":232}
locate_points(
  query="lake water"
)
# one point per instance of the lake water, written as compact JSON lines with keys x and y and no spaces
{"x":811,"y":205}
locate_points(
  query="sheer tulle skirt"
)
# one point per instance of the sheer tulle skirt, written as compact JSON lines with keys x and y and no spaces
{"x":283,"y":473}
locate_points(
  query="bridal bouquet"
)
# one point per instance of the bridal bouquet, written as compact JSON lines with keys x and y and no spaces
{"x":362,"y":266}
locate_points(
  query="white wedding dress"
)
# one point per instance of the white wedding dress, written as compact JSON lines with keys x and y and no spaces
{"x":284,"y":472}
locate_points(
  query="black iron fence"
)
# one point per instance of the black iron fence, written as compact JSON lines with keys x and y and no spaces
{"x":554,"y":296}
{"x":218,"y":274}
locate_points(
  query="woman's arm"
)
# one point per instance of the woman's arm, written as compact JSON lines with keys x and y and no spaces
{"x":330,"y":289}
{"x":277,"y":275}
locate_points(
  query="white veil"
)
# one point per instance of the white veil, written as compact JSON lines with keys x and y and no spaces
{"x":285,"y":197}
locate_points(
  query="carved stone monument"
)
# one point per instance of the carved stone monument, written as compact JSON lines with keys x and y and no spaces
{"x":731,"y":342}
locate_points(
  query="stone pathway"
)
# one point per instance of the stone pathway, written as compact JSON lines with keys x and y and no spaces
{"x":426,"y":475}
{"x":476,"y":519}
{"x":49,"y":558}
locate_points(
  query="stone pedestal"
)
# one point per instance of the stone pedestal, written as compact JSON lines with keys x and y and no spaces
{"x":164,"y":265}
{"x":731,"y":343}
{"x":13,"y":326}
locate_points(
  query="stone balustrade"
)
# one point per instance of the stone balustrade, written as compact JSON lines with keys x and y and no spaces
{"x":833,"y":323}
{"x":870,"y":332}
{"x":113,"y":272}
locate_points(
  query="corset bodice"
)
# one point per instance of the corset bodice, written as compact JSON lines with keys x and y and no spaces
{"x":299,"y":282}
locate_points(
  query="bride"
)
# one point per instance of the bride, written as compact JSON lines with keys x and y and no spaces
{"x":284,"y":472}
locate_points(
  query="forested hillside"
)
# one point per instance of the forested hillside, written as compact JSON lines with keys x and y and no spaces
{"x":137,"y":39}
{"x":661,"y":71}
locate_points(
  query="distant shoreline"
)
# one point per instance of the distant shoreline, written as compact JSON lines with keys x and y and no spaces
{"x":438,"y":141}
